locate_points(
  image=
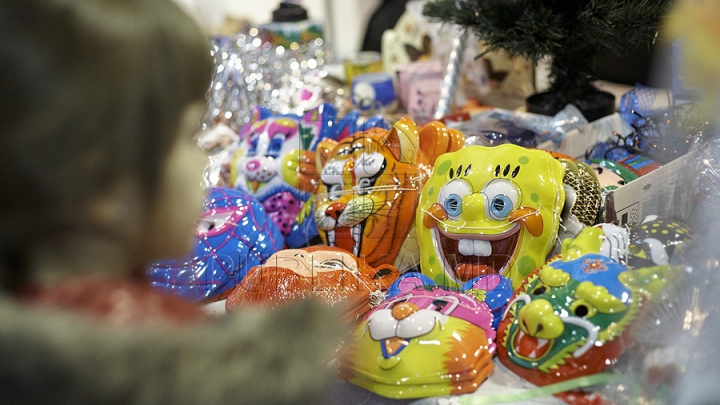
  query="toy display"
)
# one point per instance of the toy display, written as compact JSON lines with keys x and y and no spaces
{"x":275,"y":162}
{"x":570,"y":318}
{"x":489,"y":210}
{"x":234,"y":234}
{"x":370,"y":185}
{"x":330,"y":274}
{"x":425,"y":341}
{"x":251,"y":72}
{"x":647,"y":244}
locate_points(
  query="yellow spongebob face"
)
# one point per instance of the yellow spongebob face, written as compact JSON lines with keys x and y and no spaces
{"x":489,"y":210}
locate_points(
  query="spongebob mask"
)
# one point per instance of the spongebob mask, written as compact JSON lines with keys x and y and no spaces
{"x":489,"y":210}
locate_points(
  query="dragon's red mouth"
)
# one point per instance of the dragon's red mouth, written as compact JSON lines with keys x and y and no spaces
{"x":529,"y":347}
{"x":470,"y":255}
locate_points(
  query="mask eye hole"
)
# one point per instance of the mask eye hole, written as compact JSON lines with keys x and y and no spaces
{"x":439,"y":304}
{"x":331,"y":177}
{"x":451,"y":196}
{"x":582,"y":309}
{"x":445,"y":305}
{"x":253,"y":146}
{"x":334,"y":191}
{"x":502,"y":197}
{"x":276,"y":145}
{"x":539,"y":290}
{"x":453,"y":205}
{"x":501,"y":205}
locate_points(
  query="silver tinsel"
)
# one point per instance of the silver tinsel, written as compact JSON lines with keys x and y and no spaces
{"x":449,"y":86}
{"x":251,"y":72}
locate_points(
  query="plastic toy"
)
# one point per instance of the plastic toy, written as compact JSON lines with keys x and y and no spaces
{"x":489,"y":210}
{"x":275,"y":162}
{"x":582,"y":194}
{"x":234,"y":234}
{"x":647,"y":244}
{"x":611,"y":175}
{"x":571,"y":318}
{"x":492,"y":289}
{"x":330,"y":274}
{"x":370,"y":185}
{"x":653,"y":241}
{"x":304,"y":231}
{"x":425,"y":341}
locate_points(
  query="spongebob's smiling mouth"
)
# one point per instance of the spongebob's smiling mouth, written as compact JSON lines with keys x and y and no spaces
{"x":466,"y":256}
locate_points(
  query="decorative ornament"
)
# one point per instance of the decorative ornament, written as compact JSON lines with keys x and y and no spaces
{"x":251,"y":72}
{"x":452,"y":72}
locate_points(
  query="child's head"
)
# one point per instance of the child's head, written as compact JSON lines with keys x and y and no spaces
{"x":95,"y":96}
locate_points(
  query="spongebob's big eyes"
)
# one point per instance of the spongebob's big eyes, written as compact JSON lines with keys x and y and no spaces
{"x":502,"y":198}
{"x":451,"y":195}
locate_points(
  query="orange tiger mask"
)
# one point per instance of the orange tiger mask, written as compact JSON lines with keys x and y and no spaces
{"x":370,"y":185}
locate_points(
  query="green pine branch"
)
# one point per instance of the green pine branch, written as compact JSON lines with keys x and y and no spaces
{"x":572,"y":32}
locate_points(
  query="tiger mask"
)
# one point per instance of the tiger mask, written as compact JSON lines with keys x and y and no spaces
{"x":369,"y":187}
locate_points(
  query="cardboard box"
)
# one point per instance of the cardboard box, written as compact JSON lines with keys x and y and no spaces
{"x":664,"y":192}
{"x":576,"y":142}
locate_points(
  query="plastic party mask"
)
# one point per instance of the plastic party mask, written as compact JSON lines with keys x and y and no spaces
{"x":489,"y":210}
{"x":369,"y":188}
{"x":423,"y":342}
{"x":570,"y":318}
{"x":234,"y":234}
{"x":493,"y":290}
{"x":275,"y":162}
{"x":653,"y":241}
{"x":330,"y":274}
{"x":611,"y":175}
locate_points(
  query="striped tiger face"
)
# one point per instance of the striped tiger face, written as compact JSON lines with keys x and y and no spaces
{"x":369,"y":191}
